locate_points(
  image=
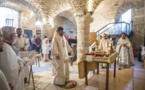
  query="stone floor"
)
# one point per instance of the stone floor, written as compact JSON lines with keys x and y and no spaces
{"x":127,"y":79}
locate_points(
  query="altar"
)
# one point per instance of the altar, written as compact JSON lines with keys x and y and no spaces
{"x":90,"y":63}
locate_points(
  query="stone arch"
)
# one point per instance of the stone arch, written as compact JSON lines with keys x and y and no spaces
{"x":68,"y":21}
{"x":10,"y":7}
{"x":25,"y":4}
{"x":123,"y":8}
{"x":69,"y":14}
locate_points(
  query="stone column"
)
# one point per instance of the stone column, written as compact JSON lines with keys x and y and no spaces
{"x":144,"y":23}
{"x":83,"y":25}
{"x":45,"y":30}
{"x":19,"y":19}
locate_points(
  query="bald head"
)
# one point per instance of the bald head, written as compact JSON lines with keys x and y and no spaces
{"x":9,"y":33}
{"x":105,"y":36}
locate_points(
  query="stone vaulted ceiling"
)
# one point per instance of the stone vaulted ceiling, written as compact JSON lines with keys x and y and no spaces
{"x":14,"y":6}
{"x":50,"y":8}
{"x":20,"y":5}
{"x":111,"y":9}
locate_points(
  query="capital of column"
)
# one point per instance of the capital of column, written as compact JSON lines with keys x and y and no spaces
{"x":83,"y":17}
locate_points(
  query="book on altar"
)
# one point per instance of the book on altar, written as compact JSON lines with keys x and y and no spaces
{"x":89,"y":58}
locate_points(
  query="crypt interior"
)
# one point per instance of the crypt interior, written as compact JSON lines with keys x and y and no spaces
{"x":84,"y":20}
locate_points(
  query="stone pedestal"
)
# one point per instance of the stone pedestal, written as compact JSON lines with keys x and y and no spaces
{"x":83,"y":25}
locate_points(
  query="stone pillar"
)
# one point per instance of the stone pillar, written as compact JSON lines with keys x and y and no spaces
{"x":45,"y":30}
{"x":83,"y":25}
{"x":20,"y":19}
{"x":144,"y":23}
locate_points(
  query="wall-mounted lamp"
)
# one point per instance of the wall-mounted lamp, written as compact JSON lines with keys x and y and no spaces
{"x":44,"y":20}
{"x":51,"y":21}
{"x":38,"y":23}
{"x":74,"y":14}
{"x":31,"y":14}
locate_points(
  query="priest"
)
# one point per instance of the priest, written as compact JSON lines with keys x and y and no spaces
{"x":104,"y":45}
{"x":60,"y":49}
{"x":3,"y":81}
{"x":8,"y":58}
{"x":124,"y":48}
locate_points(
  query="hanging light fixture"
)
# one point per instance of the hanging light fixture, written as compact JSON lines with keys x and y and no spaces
{"x":31,"y":14}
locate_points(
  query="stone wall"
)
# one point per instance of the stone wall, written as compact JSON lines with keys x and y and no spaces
{"x":27,"y":21}
{"x":110,"y":11}
{"x":99,"y":22}
{"x":137,"y":37}
{"x":105,"y":13}
{"x":69,"y":27}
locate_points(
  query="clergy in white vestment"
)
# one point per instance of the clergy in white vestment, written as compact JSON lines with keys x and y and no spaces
{"x":60,"y":49}
{"x":104,"y":45}
{"x":8,"y":58}
{"x":124,"y":48}
{"x":45,"y":49}
{"x":20,"y":44}
{"x":3,"y":82}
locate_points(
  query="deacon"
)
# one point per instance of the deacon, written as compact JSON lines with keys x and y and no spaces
{"x":125,"y":51}
{"x":8,"y":58}
{"x":60,"y":49}
{"x":20,"y":44}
